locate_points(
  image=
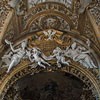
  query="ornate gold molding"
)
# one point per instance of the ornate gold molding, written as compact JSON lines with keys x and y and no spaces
{"x":21,"y":70}
{"x":47,"y":45}
{"x":37,"y":16}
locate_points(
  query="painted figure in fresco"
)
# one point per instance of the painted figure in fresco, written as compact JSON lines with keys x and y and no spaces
{"x":18,"y":54}
{"x":59,"y":55}
{"x":35,"y":55}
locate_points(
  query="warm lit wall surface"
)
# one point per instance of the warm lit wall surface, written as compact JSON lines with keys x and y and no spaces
{"x":58,"y":40}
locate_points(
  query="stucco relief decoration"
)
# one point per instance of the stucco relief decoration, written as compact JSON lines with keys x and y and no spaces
{"x":20,"y":6}
{"x":50,"y":46}
{"x":50,"y":18}
{"x":34,"y":27}
{"x":10,"y":33}
{"x":95,"y":11}
{"x":4,"y":11}
{"x":50,"y":21}
{"x":32,"y":3}
{"x":48,"y":40}
{"x":55,"y":22}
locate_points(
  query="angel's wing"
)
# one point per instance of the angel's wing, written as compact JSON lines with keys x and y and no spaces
{"x":49,"y":32}
{"x":46,"y":33}
{"x":74,"y":45}
{"x":88,"y":42}
{"x":6,"y":41}
{"x":54,"y":32}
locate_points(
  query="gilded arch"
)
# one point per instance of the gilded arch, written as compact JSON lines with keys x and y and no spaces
{"x":75,"y":68}
{"x":44,"y":10}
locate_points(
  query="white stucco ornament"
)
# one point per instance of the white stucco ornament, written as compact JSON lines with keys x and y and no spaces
{"x":35,"y":55}
{"x":15,"y":55}
{"x":80,"y":54}
{"x":60,"y":57}
{"x":76,"y":52}
{"x":50,"y":33}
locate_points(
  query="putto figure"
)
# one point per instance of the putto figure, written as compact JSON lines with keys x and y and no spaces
{"x":15,"y":56}
{"x":35,"y":55}
{"x":59,"y":55}
{"x":50,"y":33}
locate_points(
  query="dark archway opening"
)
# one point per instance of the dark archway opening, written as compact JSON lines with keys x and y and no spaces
{"x":50,"y":86}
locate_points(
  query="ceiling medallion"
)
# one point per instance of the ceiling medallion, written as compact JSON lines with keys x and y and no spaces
{"x":50,"y":22}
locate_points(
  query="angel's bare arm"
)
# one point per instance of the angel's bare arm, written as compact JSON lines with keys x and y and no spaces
{"x":13,"y":48}
{"x":47,"y":58}
{"x":86,"y":52}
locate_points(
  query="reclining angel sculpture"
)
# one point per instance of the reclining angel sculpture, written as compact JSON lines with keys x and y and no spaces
{"x":80,"y":54}
{"x":35,"y":55}
{"x":59,"y":55}
{"x":15,"y":55}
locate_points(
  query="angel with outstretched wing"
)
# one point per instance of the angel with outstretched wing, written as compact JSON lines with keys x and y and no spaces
{"x":49,"y":33}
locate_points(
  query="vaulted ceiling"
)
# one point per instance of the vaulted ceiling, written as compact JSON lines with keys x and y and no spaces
{"x":77,"y":12}
{"x":79,"y":19}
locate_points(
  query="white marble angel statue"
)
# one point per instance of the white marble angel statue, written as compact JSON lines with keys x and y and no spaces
{"x":59,"y":55}
{"x":35,"y":55}
{"x":80,"y":54}
{"x":84,"y":58}
{"x":72,"y":51}
{"x":15,"y":56}
{"x":49,"y":33}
